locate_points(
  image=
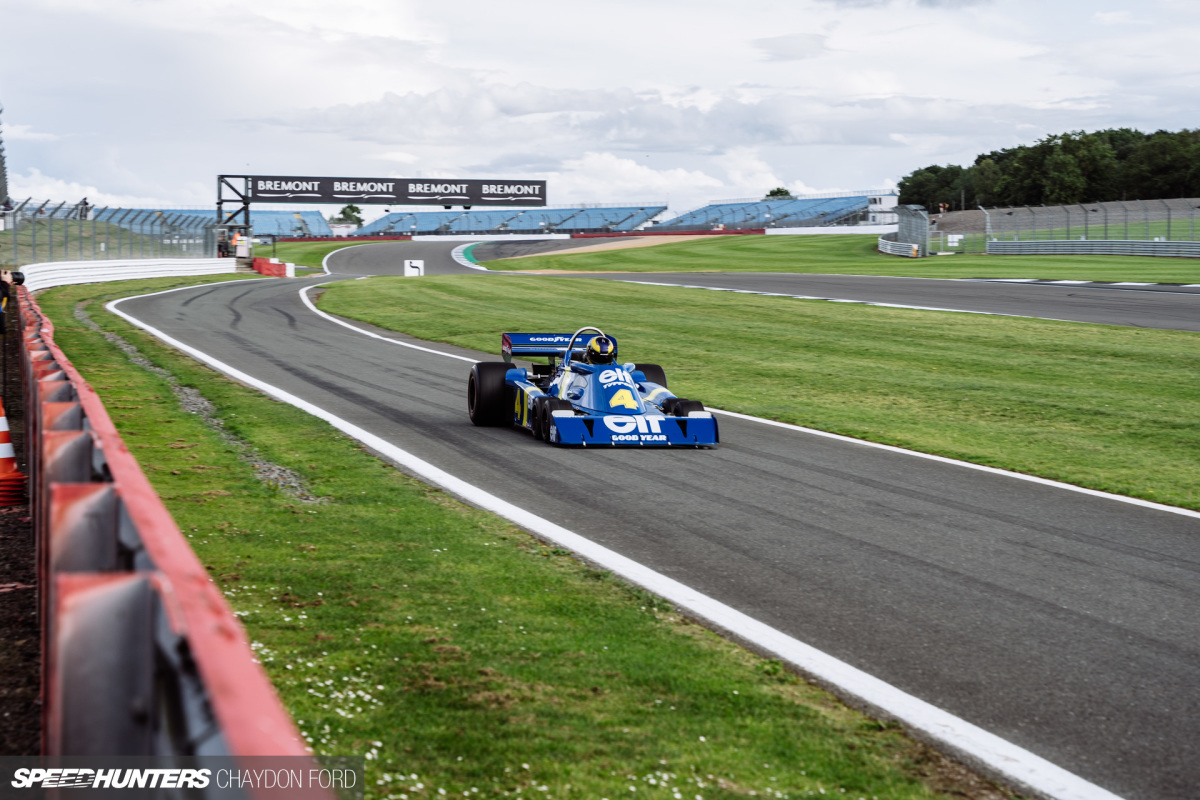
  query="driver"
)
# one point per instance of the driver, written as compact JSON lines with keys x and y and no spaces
{"x":600,"y":350}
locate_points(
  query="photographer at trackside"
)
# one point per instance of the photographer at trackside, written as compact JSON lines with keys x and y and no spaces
{"x":7,"y":279}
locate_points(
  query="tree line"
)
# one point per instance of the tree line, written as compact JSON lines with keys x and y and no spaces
{"x":1077,"y":167}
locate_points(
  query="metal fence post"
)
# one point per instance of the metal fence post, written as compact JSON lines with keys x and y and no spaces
{"x":1168,"y":207}
{"x":121,"y":231}
{"x":94,"y":237}
{"x":1146,"y":213}
{"x":36,"y":214}
{"x":50,"y":219}
{"x":16,"y":218}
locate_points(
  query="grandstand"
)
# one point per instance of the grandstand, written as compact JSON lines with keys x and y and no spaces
{"x":263,"y":223}
{"x":786,"y":212}
{"x":584,"y":218}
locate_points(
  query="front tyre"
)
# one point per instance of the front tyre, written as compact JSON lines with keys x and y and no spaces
{"x":682,"y":408}
{"x":487,"y":394}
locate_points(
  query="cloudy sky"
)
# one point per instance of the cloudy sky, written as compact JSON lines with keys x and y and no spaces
{"x":146,"y":101}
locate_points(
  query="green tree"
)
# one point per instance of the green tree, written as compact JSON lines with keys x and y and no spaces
{"x":986,"y":176}
{"x":1165,"y":165}
{"x":1063,"y":181}
{"x":779,"y":193}
{"x":933,"y":187}
{"x":349,"y":214}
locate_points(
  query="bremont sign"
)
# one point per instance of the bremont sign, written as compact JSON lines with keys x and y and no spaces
{"x":389,"y":191}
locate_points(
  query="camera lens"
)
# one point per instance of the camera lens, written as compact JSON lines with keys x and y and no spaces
{"x":18,"y":278}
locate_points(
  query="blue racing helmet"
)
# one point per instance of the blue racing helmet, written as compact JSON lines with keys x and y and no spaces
{"x":600,"y":350}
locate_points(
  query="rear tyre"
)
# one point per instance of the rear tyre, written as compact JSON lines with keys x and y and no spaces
{"x":551,"y":405}
{"x":684,"y":407}
{"x":487,"y":394}
{"x":654,"y":373}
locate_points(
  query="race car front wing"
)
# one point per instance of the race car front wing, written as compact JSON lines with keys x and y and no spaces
{"x":698,"y":429}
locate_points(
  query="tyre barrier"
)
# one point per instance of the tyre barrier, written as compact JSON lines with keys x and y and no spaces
{"x":141,"y":653}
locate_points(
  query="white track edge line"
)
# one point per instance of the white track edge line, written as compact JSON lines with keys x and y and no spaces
{"x":841,"y":300}
{"x":1027,"y":770}
{"x":1137,"y":501}
{"x":304,"y":297}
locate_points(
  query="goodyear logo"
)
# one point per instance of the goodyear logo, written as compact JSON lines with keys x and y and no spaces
{"x":635,"y":429}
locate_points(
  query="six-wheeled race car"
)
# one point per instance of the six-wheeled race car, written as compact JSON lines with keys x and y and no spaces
{"x":583,"y":396}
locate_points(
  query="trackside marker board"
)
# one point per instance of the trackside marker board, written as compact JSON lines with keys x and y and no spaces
{"x":413,"y":267}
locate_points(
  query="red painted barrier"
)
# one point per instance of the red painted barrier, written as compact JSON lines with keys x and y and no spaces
{"x":141,"y":653}
{"x":269,"y":267}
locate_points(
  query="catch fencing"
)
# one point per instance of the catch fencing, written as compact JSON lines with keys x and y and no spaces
{"x":911,"y":238}
{"x":1161,"y":227}
{"x":36,"y":231}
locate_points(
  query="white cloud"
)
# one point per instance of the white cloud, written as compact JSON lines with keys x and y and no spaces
{"x":16,"y":133}
{"x":33,"y":184}
{"x":1117,"y":18}
{"x":604,"y":177}
{"x":793,"y":47}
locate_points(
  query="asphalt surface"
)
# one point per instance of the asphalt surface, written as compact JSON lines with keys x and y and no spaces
{"x":1065,"y":623}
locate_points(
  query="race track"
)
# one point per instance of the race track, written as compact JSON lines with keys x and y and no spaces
{"x":1066,"y":623}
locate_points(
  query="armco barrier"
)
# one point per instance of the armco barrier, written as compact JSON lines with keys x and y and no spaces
{"x":898,"y":248}
{"x":141,"y":653}
{"x":62,"y":273}
{"x":1094,"y":247}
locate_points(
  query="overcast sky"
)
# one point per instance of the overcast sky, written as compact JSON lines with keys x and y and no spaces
{"x":146,"y":101}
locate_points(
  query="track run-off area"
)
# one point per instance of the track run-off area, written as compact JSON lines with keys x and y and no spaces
{"x":1048,"y":633}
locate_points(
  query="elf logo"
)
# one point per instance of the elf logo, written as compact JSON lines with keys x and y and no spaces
{"x":645,"y":425}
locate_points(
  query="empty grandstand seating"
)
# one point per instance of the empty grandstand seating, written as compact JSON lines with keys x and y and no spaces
{"x":791,"y":212}
{"x":579,"y":219}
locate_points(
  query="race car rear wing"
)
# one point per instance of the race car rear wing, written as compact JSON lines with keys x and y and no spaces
{"x":554,"y":345}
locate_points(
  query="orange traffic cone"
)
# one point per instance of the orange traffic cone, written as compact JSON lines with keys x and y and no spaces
{"x":12,"y":482}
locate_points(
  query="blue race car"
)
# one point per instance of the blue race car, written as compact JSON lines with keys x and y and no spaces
{"x":586,"y":398}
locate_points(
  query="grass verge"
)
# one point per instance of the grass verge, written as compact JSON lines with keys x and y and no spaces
{"x":309,"y":254}
{"x":1107,"y":407}
{"x":455,"y":652}
{"x":851,"y":254}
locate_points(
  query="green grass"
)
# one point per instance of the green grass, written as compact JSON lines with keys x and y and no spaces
{"x":451,"y":649}
{"x":851,"y":254}
{"x":304,"y":254}
{"x":1111,"y":408}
